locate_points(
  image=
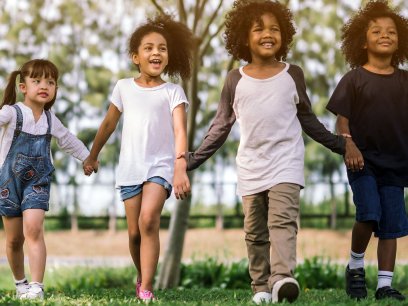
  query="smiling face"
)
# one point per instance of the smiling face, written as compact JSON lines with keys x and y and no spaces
{"x":382,"y":37}
{"x":152,"y":55}
{"x":264,"y":38}
{"x":38,"y":91}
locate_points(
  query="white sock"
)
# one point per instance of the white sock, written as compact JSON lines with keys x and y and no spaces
{"x":21,"y":281}
{"x":356,"y":260}
{"x":384,"y":279}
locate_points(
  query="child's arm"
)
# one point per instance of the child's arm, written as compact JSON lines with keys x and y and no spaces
{"x":181,"y":182}
{"x":307,"y":118}
{"x":107,"y":127}
{"x":219,"y":129}
{"x":353,"y":158}
{"x":67,"y":141}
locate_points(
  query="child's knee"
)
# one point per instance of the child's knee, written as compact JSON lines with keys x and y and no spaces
{"x":33,"y":232}
{"x":149,"y":224}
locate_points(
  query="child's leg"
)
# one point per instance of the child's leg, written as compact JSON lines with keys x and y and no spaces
{"x":13,"y":227}
{"x":282,"y":223}
{"x":132,"y":209}
{"x":386,"y":253}
{"x":153,"y":197}
{"x":33,"y":226}
{"x":257,"y":240}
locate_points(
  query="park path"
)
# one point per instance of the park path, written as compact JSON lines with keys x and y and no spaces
{"x":101,"y":248}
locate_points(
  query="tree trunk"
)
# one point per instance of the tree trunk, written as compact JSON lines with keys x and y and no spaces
{"x":169,"y":274}
{"x":333,"y":218}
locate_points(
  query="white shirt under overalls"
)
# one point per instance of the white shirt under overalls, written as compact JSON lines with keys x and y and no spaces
{"x":68,"y":142}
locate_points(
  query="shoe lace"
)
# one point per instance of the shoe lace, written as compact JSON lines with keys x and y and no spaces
{"x":357,"y":279}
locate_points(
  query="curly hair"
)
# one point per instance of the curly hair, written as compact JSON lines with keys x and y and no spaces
{"x":242,"y":16}
{"x":354,"y":33}
{"x":179,"y":41}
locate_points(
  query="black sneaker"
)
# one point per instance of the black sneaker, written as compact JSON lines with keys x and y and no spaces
{"x":388,"y":292}
{"x":355,"y":283}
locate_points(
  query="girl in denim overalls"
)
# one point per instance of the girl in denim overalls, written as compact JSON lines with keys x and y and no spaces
{"x":26,"y":168}
{"x":154,"y":130}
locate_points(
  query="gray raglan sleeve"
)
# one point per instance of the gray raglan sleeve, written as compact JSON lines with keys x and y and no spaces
{"x":219,"y":128}
{"x":308,"y":120}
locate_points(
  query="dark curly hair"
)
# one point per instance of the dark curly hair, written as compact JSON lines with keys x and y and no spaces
{"x":179,"y":40}
{"x":354,"y":33}
{"x":240,"y":19}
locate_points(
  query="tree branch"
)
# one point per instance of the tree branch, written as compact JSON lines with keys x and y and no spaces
{"x":157,"y":6}
{"x":182,"y":11}
{"x":207,"y":45}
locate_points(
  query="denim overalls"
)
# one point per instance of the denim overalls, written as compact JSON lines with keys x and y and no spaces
{"x":25,"y":176}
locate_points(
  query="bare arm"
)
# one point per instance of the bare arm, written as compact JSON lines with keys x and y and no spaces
{"x":353,"y":158}
{"x":181,"y":182}
{"x":107,"y":127}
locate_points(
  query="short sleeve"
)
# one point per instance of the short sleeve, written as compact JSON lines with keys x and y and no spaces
{"x":177,"y":96}
{"x":343,"y":97}
{"x":116,"y":97}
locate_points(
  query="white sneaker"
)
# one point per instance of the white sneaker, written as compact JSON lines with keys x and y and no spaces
{"x":21,"y":289}
{"x":285,"y":289}
{"x":262,"y":297}
{"x":34,"y":292}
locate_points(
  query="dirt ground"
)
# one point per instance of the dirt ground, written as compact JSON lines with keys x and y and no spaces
{"x":199,"y":243}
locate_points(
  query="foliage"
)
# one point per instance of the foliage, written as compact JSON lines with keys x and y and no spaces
{"x":205,"y":282}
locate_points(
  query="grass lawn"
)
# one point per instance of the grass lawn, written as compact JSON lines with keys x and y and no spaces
{"x":187,"y":297}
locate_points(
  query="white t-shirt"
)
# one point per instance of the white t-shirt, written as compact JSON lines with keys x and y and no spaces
{"x":147,"y":147}
{"x":68,"y":142}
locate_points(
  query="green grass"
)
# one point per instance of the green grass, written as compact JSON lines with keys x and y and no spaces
{"x":187,"y":297}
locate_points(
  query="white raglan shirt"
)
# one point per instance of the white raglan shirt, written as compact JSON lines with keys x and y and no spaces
{"x":68,"y":142}
{"x":148,"y":146}
{"x":271,"y":149}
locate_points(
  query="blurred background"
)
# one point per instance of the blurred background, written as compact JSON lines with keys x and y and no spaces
{"x":87,"y":40}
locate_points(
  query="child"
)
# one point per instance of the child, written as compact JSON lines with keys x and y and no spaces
{"x":371,"y":103}
{"x":154,"y":130}
{"x":268,"y":98}
{"x":26,"y":168}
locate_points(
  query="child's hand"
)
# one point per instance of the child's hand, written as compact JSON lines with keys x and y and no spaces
{"x":181,"y":182}
{"x":90,"y":166}
{"x":353,"y":158}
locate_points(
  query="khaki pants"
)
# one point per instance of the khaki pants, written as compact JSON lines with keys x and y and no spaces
{"x":270,"y":226}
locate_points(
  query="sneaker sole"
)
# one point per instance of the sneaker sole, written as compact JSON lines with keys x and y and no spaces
{"x":288,"y":291}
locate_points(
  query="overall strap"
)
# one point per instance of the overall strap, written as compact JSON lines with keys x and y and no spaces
{"x":19,"y":120}
{"x":48,"y":114}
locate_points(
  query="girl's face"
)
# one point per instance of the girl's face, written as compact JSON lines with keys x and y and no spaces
{"x":38,"y":91}
{"x":382,"y":37}
{"x":264,"y":39}
{"x":152,"y":55}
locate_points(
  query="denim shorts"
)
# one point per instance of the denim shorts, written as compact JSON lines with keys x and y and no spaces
{"x":127,"y":192}
{"x":383,"y":204}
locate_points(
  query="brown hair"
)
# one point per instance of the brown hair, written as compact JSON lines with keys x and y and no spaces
{"x":35,"y":68}
{"x":179,"y":40}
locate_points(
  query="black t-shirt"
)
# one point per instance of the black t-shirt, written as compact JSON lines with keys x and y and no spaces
{"x":377,"y":108}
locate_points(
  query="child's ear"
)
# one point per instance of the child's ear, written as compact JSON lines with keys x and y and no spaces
{"x":22,"y":87}
{"x":135,"y":59}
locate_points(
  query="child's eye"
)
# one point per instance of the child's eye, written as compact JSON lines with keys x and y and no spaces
{"x":36,"y":81}
{"x":51,"y":83}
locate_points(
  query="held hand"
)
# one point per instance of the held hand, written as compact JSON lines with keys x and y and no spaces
{"x":90,"y":166}
{"x":181,"y":182}
{"x":181,"y":155}
{"x":353,"y":158}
